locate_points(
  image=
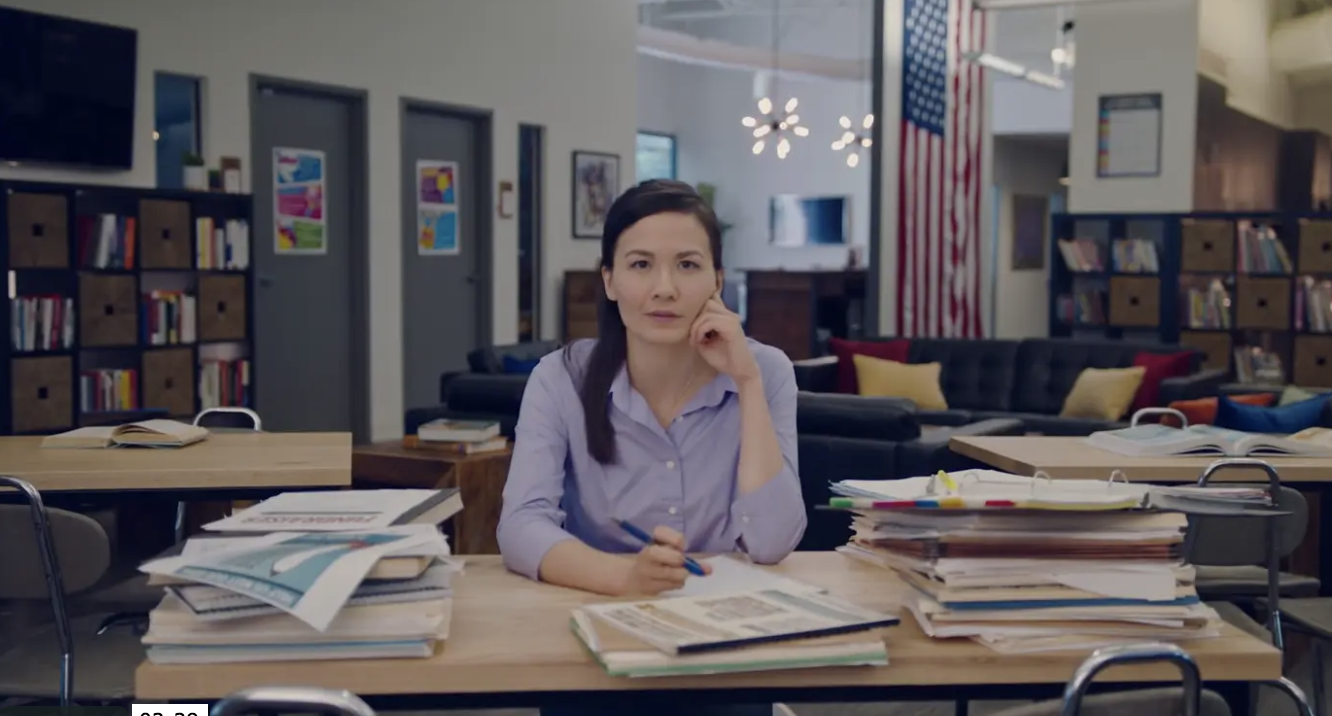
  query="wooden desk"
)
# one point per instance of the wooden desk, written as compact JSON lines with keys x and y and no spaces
{"x":510,"y":635}
{"x":223,"y":462}
{"x":1069,"y":457}
{"x":480,"y":478}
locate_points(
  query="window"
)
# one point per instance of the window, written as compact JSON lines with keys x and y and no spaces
{"x":177,"y":130}
{"x":654,"y":157}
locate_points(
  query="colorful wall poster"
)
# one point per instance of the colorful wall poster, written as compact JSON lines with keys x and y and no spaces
{"x":298,"y":201}
{"x":437,"y":218}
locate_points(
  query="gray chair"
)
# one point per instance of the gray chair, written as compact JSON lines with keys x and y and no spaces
{"x":50,"y":554}
{"x":1188,"y":699}
{"x":291,"y":699}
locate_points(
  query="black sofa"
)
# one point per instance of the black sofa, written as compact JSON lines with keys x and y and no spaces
{"x":840,"y":438}
{"x":1023,"y":379}
{"x":490,"y":360}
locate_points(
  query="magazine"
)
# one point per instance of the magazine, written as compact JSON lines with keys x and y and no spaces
{"x":687,"y":625}
{"x":340,"y":510}
{"x":309,"y":575}
{"x":1155,"y":440}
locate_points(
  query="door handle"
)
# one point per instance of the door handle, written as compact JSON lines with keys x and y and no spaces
{"x":471,"y":278}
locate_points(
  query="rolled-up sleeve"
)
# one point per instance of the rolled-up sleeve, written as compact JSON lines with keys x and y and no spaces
{"x":772,"y":518}
{"x":531,"y":521}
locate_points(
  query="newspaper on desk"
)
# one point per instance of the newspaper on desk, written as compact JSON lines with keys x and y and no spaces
{"x":309,"y":575}
{"x":684,"y":624}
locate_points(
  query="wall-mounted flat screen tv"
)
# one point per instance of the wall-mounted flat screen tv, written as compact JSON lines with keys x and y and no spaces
{"x":66,"y":91}
{"x":809,"y":220}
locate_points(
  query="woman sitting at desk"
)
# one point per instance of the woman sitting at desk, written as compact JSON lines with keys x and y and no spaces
{"x":671,"y":421}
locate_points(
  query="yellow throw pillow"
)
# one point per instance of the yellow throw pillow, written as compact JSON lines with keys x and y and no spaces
{"x":1103,"y":393}
{"x":917,"y":382}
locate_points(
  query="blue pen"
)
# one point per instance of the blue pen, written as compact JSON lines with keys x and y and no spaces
{"x":693,"y":567}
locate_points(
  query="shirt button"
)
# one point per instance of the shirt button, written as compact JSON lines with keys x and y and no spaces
{"x":670,"y":464}
{"x":672,"y":510}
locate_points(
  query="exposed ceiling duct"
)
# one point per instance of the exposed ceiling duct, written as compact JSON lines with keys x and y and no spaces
{"x":1302,"y":47}
{"x":680,"y":47}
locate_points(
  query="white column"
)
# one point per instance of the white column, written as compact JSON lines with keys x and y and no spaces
{"x":1133,"y":47}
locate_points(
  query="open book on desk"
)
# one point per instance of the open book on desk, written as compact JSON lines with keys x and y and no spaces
{"x":1201,"y":440}
{"x":145,"y":433}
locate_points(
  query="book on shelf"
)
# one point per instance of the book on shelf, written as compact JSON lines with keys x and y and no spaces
{"x":108,"y":389}
{"x":1135,"y":256}
{"x":1260,"y":250}
{"x":42,"y":322}
{"x":1208,"y":308}
{"x":334,"y":510}
{"x":224,"y":382}
{"x":1081,"y":255}
{"x":1154,"y":439}
{"x":458,"y":431}
{"x":1313,"y":305}
{"x":168,"y":318}
{"x":105,"y":241}
{"x":1085,"y":308}
{"x":222,"y":247}
{"x":1255,"y":365}
{"x":145,"y":433}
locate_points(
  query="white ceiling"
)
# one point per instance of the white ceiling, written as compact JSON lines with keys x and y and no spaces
{"x":662,"y":12}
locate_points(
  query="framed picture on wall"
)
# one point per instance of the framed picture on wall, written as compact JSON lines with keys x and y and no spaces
{"x":1031,"y":214}
{"x":596,"y":183}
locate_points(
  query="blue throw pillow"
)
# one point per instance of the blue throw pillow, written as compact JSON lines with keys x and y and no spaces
{"x":1285,"y":419}
{"x":518,"y":366}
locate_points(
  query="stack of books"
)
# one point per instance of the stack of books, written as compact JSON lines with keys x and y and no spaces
{"x":461,"y":437}
{"x":336,"y":583}
{"x":737,"y":619}
{"x":1026,"y":565}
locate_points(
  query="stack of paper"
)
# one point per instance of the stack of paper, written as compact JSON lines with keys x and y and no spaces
{"x":298,"y":596}
{"x":1025,"y":565}
{"x":737,"y":619}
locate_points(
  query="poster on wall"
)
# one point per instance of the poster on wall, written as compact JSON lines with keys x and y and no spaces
{"x":436,"y":208}
{"x":298,"y":201}
{"x":1128,"y":136}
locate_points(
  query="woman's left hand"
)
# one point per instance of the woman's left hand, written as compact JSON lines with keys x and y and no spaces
{"x":717,"y":335}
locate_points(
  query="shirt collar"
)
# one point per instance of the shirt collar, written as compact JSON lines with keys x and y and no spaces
{"x":628,"y":400}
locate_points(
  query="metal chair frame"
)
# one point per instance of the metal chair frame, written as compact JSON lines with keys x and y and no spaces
{"x":291,"y":699}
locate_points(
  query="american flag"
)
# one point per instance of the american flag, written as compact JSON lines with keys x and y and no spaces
{"x":938,"y":222}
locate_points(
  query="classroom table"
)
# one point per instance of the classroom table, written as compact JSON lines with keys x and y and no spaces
{"x":510,"y":645}
{"x":227,"y":463}
{"x":1071,"y":458}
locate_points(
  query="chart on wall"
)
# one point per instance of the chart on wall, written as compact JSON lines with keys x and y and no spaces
{"x":436,"y":208}
{"x":298,"y":201}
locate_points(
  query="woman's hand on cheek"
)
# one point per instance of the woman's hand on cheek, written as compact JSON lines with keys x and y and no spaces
{"x":719,"y":338}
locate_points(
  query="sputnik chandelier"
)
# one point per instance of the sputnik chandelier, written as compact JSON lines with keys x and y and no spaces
{"x":775,"y":127}
{"x":853,"y":140}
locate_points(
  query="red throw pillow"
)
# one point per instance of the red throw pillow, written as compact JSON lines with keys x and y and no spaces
{"x":1159,"y":366}
{"x":894,"y":350}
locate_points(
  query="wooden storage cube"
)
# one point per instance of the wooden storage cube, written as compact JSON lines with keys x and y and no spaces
{"x":1207,"y":245}
{"x":1313,"y":362}
{"x":1135,"y":301}
{"x":38,"y":231}
{"x":1215,"y":345}
{"x":43,"y":394}
{"x":222,"y":303}
{"x":108,"y":310}
{"x":165,"y":235}
{"x":168,"y":380}
{"x":1262,"y":303}
{"x":1315,"y":247}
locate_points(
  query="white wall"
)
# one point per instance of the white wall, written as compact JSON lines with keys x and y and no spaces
{"x":703,"y":106}
{"x":1237,"y":32}
{"x":567,"y":65}
{"x":1021,"y":298}
{"x":1136,"y":46}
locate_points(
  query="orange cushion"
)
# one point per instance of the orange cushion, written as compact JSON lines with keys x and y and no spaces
{"x":1202,"y":411}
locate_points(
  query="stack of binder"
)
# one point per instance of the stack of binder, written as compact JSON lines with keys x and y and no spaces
{"x":1026,"y":565}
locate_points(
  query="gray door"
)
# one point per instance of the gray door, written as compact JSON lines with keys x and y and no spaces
{"x":308,"y":319}
{"x":444,"y":295}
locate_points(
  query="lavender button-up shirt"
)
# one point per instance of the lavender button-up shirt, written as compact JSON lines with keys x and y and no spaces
{"x":683,"y":476}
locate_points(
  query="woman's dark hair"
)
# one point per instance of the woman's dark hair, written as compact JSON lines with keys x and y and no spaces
{"x":652,"y":197}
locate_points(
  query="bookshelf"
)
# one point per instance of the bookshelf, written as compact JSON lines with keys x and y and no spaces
{"x":122,"y":303}
{"x":1253,"y":290}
